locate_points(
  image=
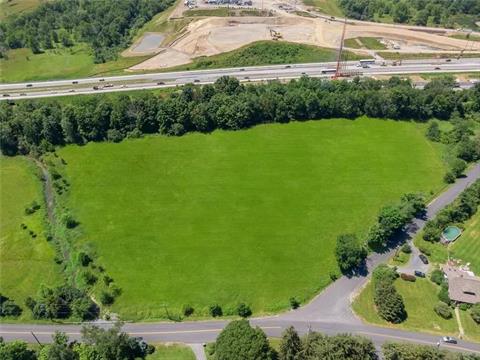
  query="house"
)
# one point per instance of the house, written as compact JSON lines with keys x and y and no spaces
{"x":463,"y":285}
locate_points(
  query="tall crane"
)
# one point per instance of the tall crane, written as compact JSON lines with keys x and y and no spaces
{"x":338,"y":70}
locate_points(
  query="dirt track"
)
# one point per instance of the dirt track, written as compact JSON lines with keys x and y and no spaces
{"x":214,"y":35}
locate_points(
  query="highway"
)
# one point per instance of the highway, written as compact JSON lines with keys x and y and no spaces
{"x":247,"y":74}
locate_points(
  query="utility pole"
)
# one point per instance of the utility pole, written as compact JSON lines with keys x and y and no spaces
{"x":36,"y":339}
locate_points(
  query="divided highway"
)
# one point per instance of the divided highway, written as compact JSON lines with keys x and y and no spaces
{"x":254,"y":73}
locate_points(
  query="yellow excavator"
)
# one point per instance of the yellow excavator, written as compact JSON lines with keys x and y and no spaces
{"x":275,"y":34}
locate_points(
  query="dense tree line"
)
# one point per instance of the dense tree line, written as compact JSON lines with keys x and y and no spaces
{"x":458,"y":212}
{"x":388,"y":302}
{"x":37,"y":126}
{"x":61,"y":303}
{"x":418,"y":12}
{"x":97,"y":343}
{"x":240,"y":341}
{"x":106,"y":25}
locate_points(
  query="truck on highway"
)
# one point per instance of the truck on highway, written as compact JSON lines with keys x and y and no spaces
{"x":365,"y":63}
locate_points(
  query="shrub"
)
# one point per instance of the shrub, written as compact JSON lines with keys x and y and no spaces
{"x":475,"y":313}
{"x":449,"y":177}
{"x":408,"y":277}
{"x":188,"y":310}
{"x":437,"y":277}
{"x":443,"y":294}
{"x":85,"y":309}
{"x":107,"y":280}
{"x":88,"y":277}
{"x":84,"y":259}
{"x":384,"y":273}
{"x":9,"y":308}
{"x":333,"y":275}
{"x":244,"y":310}
{"x":69,"y":221}
{"x":443,"y":310}
{"x":464,"y":307}
{"x":458,"y":167}
{"x":216,"y":310}
{"x":116,"y":291}
{"x":406,"y":248}
{"x":433,"y":132}
{"x":294,"y":303}
{"x":106,"y":298}
{"x":30,"y":302}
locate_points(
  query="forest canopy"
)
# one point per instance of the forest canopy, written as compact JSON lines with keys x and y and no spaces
{"x":419,"y":12}
{"x":36,"y":126}
{"x":106,"y":25}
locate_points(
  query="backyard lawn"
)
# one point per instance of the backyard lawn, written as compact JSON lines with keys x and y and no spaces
{"x":172,"y":352}
{"x":467,"y":246}
{"x":26,"y":262}
{"x":247,"y":216}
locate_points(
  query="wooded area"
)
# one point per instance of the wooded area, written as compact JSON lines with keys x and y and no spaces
{"x":36,"y":126}
{"x":106,"y":25}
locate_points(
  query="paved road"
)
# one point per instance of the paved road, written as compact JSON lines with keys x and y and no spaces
{"x":255,"y":73}
{"x":329,"y":312}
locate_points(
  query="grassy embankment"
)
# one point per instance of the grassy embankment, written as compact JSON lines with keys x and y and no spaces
{"x":15,"y":7}
{"x":265,"y":53}
{"x":328,"y":7}
{"x":27,"y":260}
{"x":389,"y":55}
{"x":248,"y":216}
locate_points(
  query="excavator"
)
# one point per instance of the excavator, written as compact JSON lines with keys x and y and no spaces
{"x":275,"y":34}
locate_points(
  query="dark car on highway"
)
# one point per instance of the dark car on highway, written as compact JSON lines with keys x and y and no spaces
{"x":423,"y":258}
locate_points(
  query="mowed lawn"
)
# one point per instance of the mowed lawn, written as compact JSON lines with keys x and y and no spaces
{"x":419,"y":297}
{"x":25,"y":262}
{"x":248,"y":216}
{"x":467,"y":247}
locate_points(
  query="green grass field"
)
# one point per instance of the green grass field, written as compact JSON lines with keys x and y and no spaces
{"x":370,"y":43}
{"x":470,"y":327}
{"x":419,"y":297}
{"x":61,"y":63}
{"x":248,"y":216}
{"x":13,"y":7}
{"x":265,"y":53}
{"x":26,"y":262}
{"x":467,"y":246}
{"x":172,"y":352}
{"x":466,"y":37}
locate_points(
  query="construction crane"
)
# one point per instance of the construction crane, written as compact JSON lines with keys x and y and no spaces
{"x":340,"y":63}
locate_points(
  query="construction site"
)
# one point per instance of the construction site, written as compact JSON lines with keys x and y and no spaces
{"x":211,"y":35}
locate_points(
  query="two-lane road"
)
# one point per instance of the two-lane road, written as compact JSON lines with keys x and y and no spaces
{"x":330,"y":312}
